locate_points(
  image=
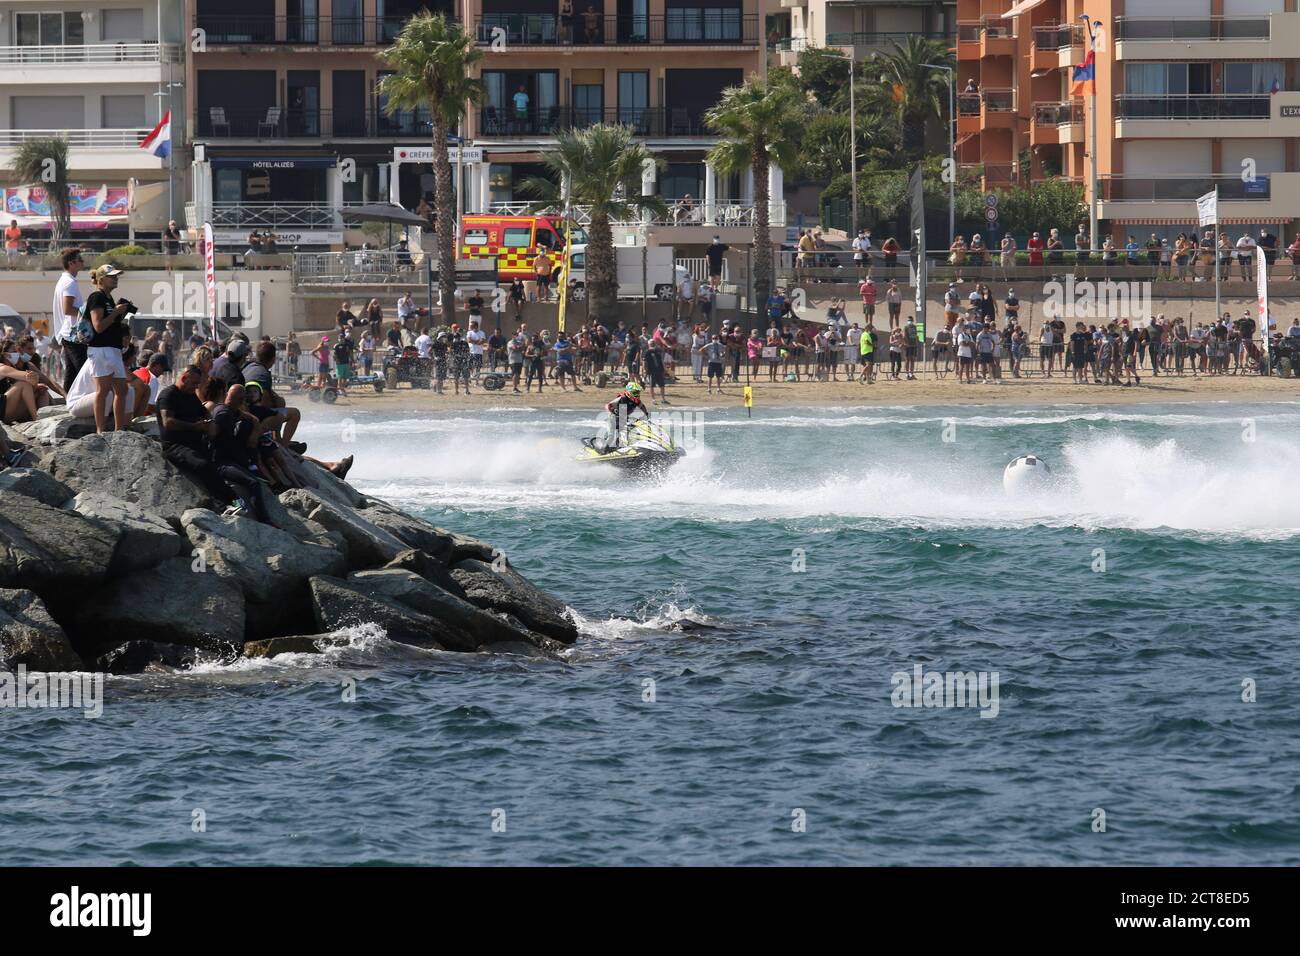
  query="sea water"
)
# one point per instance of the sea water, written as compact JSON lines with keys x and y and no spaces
{"x":754,"y":624}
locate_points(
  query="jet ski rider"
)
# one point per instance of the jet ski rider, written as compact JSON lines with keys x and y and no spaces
{"x":620,"y":413}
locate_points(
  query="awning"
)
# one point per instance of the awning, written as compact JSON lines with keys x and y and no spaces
{"x":384,"y":212}
{"x":1024,"y":6}
{"x":273,"y":162}
{"x":150,"y":207}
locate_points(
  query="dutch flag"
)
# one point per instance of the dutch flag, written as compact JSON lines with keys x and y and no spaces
{"x":159,"y":142}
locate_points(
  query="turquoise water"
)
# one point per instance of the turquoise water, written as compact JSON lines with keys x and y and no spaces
{"x":769,"y":588}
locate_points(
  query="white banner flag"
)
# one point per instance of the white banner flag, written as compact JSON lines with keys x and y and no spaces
{"x":1207,"y":208}
{"x":210,"y":276}
{"x":1261,"y":294}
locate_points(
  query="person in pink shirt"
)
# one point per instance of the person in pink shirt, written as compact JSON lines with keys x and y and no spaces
{"x":867,"y":289}
{"x":754,"y":348}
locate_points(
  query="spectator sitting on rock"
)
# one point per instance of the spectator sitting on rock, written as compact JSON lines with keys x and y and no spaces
{"x":22,"y":355}
{"x":270,"y":457}
{"x":185,"y":426}
{"x":228,"y":367}
{"x":151,"y":373}
{"x":234,"y":438}
{"x":81,"y":397}
{"x":17,"y":387}
{"x":259,"y":370}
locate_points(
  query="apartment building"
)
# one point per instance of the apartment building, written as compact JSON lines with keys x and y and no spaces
{"x":1190,"y":94}
{"x":858,"y":28}
{"x":289,"y":127}
{"x":102,"y":74}
{"x":654,"y":65}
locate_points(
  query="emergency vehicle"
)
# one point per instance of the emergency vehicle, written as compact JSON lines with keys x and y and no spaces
{"x":514,"y":241}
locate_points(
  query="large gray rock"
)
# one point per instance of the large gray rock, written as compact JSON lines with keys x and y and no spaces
{"x":338,"y":605}
{"x":138,"y":657}
{"x":463,"y":627}
{"x":331,"y":488}
{"x":295,"y":644}
{"x":146,"y":539}
{"x":510,"y":593}
{"x":431,"y":569}
{"x":367,"y":544}
{"x":56,"y":428}
{"x":46,"y":548}
{"x":132,"y":467}
{"x":35,"y":483}
{"x":447,"y":546}
{"x":29,"y":636}
{"x":171,"y":603}
{"x":268,"y":564}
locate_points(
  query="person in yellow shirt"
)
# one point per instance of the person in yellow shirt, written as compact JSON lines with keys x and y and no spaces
{"x":867,"y":354}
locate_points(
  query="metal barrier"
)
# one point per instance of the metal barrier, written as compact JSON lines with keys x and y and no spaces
{"x":358,"y":267}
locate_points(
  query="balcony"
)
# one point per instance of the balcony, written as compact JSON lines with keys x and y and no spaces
{"x":504,"y":32}
{"x":987,"y":109}
{"x":93,"y":54}
{"x":1189,"y":28}
{"x":273,"y":122}
{"x":1202,"y":106}
{"x":1269,"y":198}
{"x":1263,"y":36}
{"x":299,"y":31}
{"x":1056,"y":123}
{"x":864,"y":44}
{"x":997,"y":37}
{"x":651,"y":121}
{"x":92,"y":150}
{"x":968,"y":40}
{"x":1181,"y":188}
{"x":1054,"y":45}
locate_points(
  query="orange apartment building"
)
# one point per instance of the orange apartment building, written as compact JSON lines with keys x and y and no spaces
{"x":1190,"y":94}
{"x":288,"y":126}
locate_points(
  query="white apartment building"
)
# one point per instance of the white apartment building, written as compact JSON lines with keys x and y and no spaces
{"x":102,"y":74}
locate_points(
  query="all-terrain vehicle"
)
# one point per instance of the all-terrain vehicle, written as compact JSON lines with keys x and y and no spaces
{"x":405,"y":365}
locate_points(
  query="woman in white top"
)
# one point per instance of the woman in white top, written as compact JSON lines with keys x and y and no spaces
{"x":1045,"y":348}
{"x":699,"y":339}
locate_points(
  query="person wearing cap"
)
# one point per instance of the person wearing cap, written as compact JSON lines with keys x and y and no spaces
{"x":951,"y":303}
{"x":104,"y":350}
{"x":228,"y":367}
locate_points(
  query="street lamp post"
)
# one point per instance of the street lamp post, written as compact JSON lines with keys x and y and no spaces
{"x":853,"y":145}
{"x":952,"y":146}
{"x":1092,"y":123}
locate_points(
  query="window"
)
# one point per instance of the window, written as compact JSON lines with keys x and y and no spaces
{"x":685,"y":24}
{"x":123,"y":111}
{"x":476,"y":237}
{"x":123,"y":25}
{"x":588,"y":104}
{"x":517,"y":237}
{"x":1252,"y":77}
{"x":1166,"y":79}
{"x":633,"y":98}
{"x":48,"y":29}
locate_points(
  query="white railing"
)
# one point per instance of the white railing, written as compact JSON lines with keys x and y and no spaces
{"x":698,"y":268}
{"x":79,"y":138}
{"x":300,"y":215}
{"x":96,"y":53}
{"x":730,"y":212}
{"x":360,"y":266}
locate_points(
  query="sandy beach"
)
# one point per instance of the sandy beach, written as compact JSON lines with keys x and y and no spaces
{"x":923,"y":391}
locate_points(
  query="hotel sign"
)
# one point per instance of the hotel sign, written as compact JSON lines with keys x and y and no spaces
{"x":424,"y":154}
{"x":1289,"y":111}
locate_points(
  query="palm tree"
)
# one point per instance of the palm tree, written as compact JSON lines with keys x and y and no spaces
{"x":758,"y":123}
{"x":431,"y":59}
{"x":909,"y":88}
{"x":602,"y":167}
{"x":44,"y":162}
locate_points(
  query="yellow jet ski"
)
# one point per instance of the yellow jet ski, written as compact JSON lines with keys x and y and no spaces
{"x":646,"y":448}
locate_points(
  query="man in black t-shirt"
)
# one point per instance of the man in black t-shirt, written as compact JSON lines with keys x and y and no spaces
{"x":234,"y":438}
{"x":1079,"y":339}
{"x":714,"y":254}
{"x":184,"y":427}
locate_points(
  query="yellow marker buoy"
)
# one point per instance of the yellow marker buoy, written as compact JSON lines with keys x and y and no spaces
{"x":749,"y":401}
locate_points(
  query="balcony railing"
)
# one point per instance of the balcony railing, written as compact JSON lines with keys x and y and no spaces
{"x":997,"y":28}
{"x":1181,"y":188}
{"x":1058,"y":37}
{"x":991,"y":101}
{"x":1207,"y":106}
{"x":89,"y":53}
{"x":707,"y":28}
{"x":276,"y":123}
{"x":999,"y":101}
{"x":884,"y":39}
{"x":1058,"y":114}
{"x":546,"y":121}
{"x":289,"y":216}
{"x":1193,"y":28}
{"x":78,"y":138}
{"x":968,"y":31}
{"x":304,"y":31}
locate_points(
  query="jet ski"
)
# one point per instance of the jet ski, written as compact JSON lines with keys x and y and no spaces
{"x":647,"y":448}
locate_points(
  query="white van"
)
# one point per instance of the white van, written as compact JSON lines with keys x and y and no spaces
{"x":658,"y":259}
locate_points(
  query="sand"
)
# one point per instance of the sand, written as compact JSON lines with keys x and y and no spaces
{"x":924,"y":391}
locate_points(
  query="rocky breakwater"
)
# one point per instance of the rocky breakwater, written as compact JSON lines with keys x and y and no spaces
{"x":113,"y":560}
